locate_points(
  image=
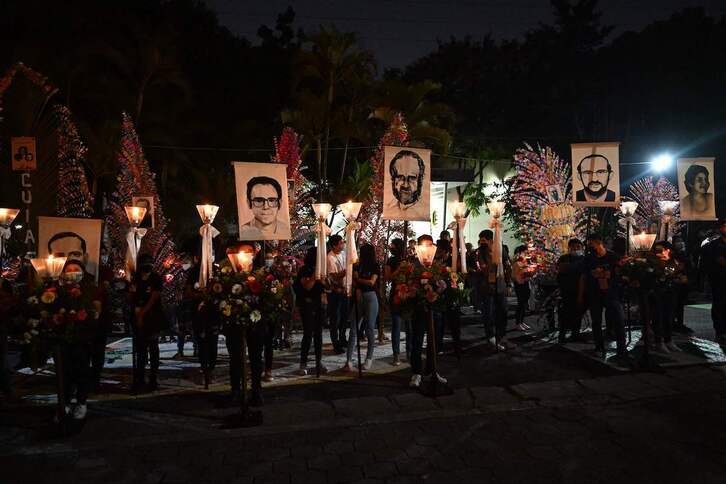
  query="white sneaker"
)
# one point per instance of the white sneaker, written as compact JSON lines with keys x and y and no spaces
{"x":368,"y":364}
{"x":302,"y":372}
{"x":348,"y":366}
{"x":396,"y":360}
{"x":523,"y":327}
{"x":415,"y":381}
{"x":673,"y":347}
{"x":441,"y":379}
{"x":661,"y":348}
{"x":492,"y":341}
{"x":79,"y":412}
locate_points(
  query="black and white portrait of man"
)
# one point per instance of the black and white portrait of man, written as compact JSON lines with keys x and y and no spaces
{"x":407,"y":184}
{"x":595,"y":174}
{"x":77,"y":239}
{"x":147,"y":202}
{"x":696,"y":189}
{"x":262,"y":201}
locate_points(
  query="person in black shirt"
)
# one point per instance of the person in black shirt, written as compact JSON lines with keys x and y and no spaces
{"x":311,"y":300}
{"x":682,"y":285}
{"x":569,"y":271}
{"x":148,"y":321}
{"x":599,"y":289}
{"x":715,"y":266}
{"x":390,"y":271}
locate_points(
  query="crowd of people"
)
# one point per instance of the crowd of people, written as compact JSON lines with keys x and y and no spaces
{"x":590,"y":277}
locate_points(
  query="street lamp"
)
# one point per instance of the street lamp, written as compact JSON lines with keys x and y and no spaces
{"x":350,"y":211}
{"x":458,"y":211}
{"x":662,"y":162}
{"x":322,"y":211}
{"x":134,"y":215}
{"x":7,"y":215}
{"x":50,"y":267}
{"x":207,"y":232}
{"x":628,"y":209}
{"x":642,"y":242}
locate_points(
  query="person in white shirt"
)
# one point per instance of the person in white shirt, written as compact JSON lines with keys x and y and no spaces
{"x":338,"y":299}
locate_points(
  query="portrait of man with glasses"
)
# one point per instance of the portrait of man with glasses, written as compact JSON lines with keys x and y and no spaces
{"x":595,"y":177}
{"x":263,"y":212}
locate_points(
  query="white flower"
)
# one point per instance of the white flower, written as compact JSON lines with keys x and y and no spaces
{"x":222,"y":304}
{"x":34,"y":332}
{"x":196,"y":285}
{"x":236,"y":289}
{"x":273,"y":290}
{"x":32,"y":300}
{"x":461,"y":286}
{"x":424,"y":281}
{"x":239,"y":302}
{"x":255,"y":316}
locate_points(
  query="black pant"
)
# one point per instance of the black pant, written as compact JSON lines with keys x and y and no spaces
{"x":718,"y":306}
{"x":270,"y":331}
{"x":312,"y":330}
{"x":522,"y":291}
{"x":76,"y":370}
{"x":494,"y":313}
{"x":570,"y":315}
{"x":452,"y":319}
{"x":681,"y":300}
{"x":663,"y":303}
{"x":598,"y":301}
{"x":98,"y":354}
{"x":255,"y":343}
{"x":338,"y":318}
{"x":207,"y":348}
{"x":147,"y":350}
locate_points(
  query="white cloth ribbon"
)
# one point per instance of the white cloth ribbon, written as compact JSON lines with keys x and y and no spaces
{"x":497,"y":249}
{"x":321,"y":261}
{"x":4,"y":235}
{"x":351,"y":254}
{"x":458,"y":245}
{"x":208,"y":232}
{"x":663,"y":234}
{"x":133,"y":240}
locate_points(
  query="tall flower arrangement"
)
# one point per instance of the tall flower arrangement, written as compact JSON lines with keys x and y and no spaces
{"x":136,"y":178}
{"x":535,"y":217}
{"x":287,"y":151}
{"x":374,"y":229}
{"x":73,"y":199}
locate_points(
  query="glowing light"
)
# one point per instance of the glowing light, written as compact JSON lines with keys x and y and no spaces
{"x":662,"y":162}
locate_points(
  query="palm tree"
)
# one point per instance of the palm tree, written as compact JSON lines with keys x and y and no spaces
{"x":333,"y":61}
{"x":428,"y":121}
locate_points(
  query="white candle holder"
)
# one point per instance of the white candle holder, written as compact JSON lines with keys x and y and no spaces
{"x":135,"y":215}
{"x":207,"y":213}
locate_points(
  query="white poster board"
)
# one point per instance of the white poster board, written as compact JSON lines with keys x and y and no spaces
{"x":75,"y":238}
{"x":407,"y":184}
{"x":696,"y":188}
{"x":262,"y":203}
{"x":596,"y":174}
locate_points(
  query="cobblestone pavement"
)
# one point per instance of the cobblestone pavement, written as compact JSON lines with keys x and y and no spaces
{"x":629,"y":428}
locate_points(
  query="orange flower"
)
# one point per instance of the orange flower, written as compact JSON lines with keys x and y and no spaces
{"x":48,"y":297}
{"x":431,"y":296}
{"x":427,"y":275}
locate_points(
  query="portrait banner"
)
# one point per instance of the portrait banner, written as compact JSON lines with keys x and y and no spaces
{"x":696,"y":188}
{"x":407,"y":184}
{"x":596,"y":174}
{"x":146,"y":201}
{"x":262,"y":201}
{"x":75,"y":238}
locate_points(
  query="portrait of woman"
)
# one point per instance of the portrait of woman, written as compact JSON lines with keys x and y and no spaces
{"x":694,"y":186}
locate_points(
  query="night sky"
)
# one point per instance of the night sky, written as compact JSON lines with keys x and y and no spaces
{"x":400,"y":31}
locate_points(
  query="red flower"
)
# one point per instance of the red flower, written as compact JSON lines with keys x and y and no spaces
{"x":426,"y":275}
{"x":443,"y":269}
{"x":396,"y":299}
{"x":75,"y":292}
{"x":270,"y":277}
{"x":255,"y":286}
{"x":431,"y":296}
{"x":82,"y":315}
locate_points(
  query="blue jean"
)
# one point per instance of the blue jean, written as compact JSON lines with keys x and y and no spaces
{"x":369,"y":314}
{"x":398,"y":323}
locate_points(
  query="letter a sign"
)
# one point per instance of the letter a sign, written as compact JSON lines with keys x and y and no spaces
{"x":23,"y":154}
